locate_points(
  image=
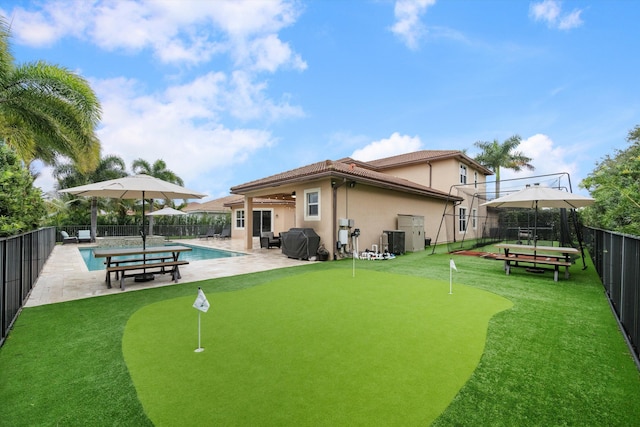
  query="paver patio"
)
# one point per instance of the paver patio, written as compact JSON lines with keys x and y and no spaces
{"x":65,"y":276}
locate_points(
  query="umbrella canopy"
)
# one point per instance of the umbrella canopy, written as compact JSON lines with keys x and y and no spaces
{"x":135,"y":187}
{"x":543,"y":197}
{"x":166,"y":211}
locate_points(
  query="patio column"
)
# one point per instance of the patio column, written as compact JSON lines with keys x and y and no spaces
{"x":248,"y":222}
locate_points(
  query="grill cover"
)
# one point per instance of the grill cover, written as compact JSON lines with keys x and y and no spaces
{"x":300,"y":243}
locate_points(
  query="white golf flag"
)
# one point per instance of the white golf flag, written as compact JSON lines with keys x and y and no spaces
{"x":201,"y":302}
{"x":452,"y":264}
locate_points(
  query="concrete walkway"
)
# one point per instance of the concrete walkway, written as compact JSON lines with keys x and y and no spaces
{"x":65,"y":276}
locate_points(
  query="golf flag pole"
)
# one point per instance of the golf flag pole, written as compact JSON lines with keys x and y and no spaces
{"x":452,"y":266}
{"x":202,"y":305}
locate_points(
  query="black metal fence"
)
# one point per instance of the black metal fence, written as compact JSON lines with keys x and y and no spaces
{"x":176,"y":231}
{"x":616,"y":257}
{"x":21,"y":260}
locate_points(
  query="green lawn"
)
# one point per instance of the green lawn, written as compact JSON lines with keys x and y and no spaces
{"x":554,"y":357}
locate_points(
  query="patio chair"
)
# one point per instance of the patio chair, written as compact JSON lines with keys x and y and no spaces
{"x":268,"y":240}
{"x":68,"y":239}
{"x":210,"y":233}
{"x":226,"y":233}
{"x":84,"y":236}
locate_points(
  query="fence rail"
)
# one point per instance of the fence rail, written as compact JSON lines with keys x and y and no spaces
{"x":21,"y":260}
{"x":181,"y":230}
{"x":616,"y":257}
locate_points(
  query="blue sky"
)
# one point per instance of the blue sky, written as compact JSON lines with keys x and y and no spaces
{"x":226,"y":92}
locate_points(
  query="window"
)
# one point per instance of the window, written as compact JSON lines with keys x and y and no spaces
{"x":475,"y":179}
{"x":463,"y":174}
{"x":463,"y":219}
{"x":474,"y":218}
{"x":240,"y":218}
{"x":312,"y":204}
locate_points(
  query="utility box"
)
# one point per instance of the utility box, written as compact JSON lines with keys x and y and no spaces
{"x":396,"y":241}
{"x":413,"y":227}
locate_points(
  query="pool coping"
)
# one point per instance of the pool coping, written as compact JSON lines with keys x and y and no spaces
{"x":170,"y":243}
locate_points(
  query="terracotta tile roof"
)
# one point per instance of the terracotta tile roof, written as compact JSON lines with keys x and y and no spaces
{"x":212,"y":206}
{"x":425,"y":156}
{"x":261,"y":201}
{"x":339,"y":169}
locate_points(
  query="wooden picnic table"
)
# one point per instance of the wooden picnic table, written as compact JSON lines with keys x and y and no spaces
{"x":115,"y":263}
{"x":555,"y":256}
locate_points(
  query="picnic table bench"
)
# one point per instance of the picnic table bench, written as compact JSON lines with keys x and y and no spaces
{"x":517,"y":255}
{"x":154,"y":265}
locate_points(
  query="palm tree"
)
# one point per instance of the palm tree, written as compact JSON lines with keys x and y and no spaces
{"x":46,"y":111}
{"x":109,"y":167}
{"x":495,"y":156}
{"x":157,"y":170}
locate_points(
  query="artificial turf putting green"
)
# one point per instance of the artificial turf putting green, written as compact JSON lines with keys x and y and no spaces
{"x":321,"y":348}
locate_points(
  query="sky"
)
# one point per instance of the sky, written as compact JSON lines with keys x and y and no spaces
{"x":226,"y":92}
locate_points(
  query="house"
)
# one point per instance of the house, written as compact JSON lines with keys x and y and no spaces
{"x":212,"y":207}
{"x":437,"y":187}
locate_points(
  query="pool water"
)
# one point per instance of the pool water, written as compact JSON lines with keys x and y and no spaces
{"x":196,"y":253}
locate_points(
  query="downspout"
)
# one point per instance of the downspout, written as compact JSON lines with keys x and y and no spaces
{"x":334,"y":208}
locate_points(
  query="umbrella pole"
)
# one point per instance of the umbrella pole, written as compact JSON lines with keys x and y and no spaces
{"x":144,"y":277}
{"x":535,"y":269}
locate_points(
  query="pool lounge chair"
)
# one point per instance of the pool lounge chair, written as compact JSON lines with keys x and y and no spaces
{"x":210,"y":233}
{"x":226,"y":233}
{"x":68,"y":239}
{"x":84,"y":236}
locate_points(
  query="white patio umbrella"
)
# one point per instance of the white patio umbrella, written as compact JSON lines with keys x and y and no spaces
{"x":167,"y":210}
{"x":135,"y":187}
{"x":544,"y":197}
{"x":534,"y":197}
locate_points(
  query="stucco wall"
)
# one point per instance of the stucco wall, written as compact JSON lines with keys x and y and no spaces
{"x":375,"y":210}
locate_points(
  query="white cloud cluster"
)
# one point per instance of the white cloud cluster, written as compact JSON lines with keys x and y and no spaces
{"x":186,"y":123}
{"x":407,"y":24}
{"x":186,"y":32}
{"x":394,"y":145}
{"x":550,"y":11}
{"x":178,"y":125}
{"x":547,"y":158}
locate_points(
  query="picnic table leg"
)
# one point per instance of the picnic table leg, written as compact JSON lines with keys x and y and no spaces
{"x":566,"y":272}
{"x":555,"y":273}
{"x":122,"y":281}
{"x":176,"y":274}
{"x":507,"y":267}
{"x":108,"y":276}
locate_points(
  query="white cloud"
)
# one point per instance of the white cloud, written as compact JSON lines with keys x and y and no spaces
{"x":179,"y":126}
{"x":547,"y":158}
{"x":572,"y":20}
{"x":550,"y":12}
{"x":187,"y":31}
{"x":394,"y":145}
{"x":407,"y":25}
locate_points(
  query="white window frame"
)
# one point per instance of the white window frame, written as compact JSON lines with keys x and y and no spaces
{"x":474,"y":218}
{"x":463,"y":173}
{"x":462,"y":219}
{"x":239,"y":219}
{"x":307,"y":193}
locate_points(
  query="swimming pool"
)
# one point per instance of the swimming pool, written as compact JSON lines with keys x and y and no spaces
{"x":197,"y":253}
